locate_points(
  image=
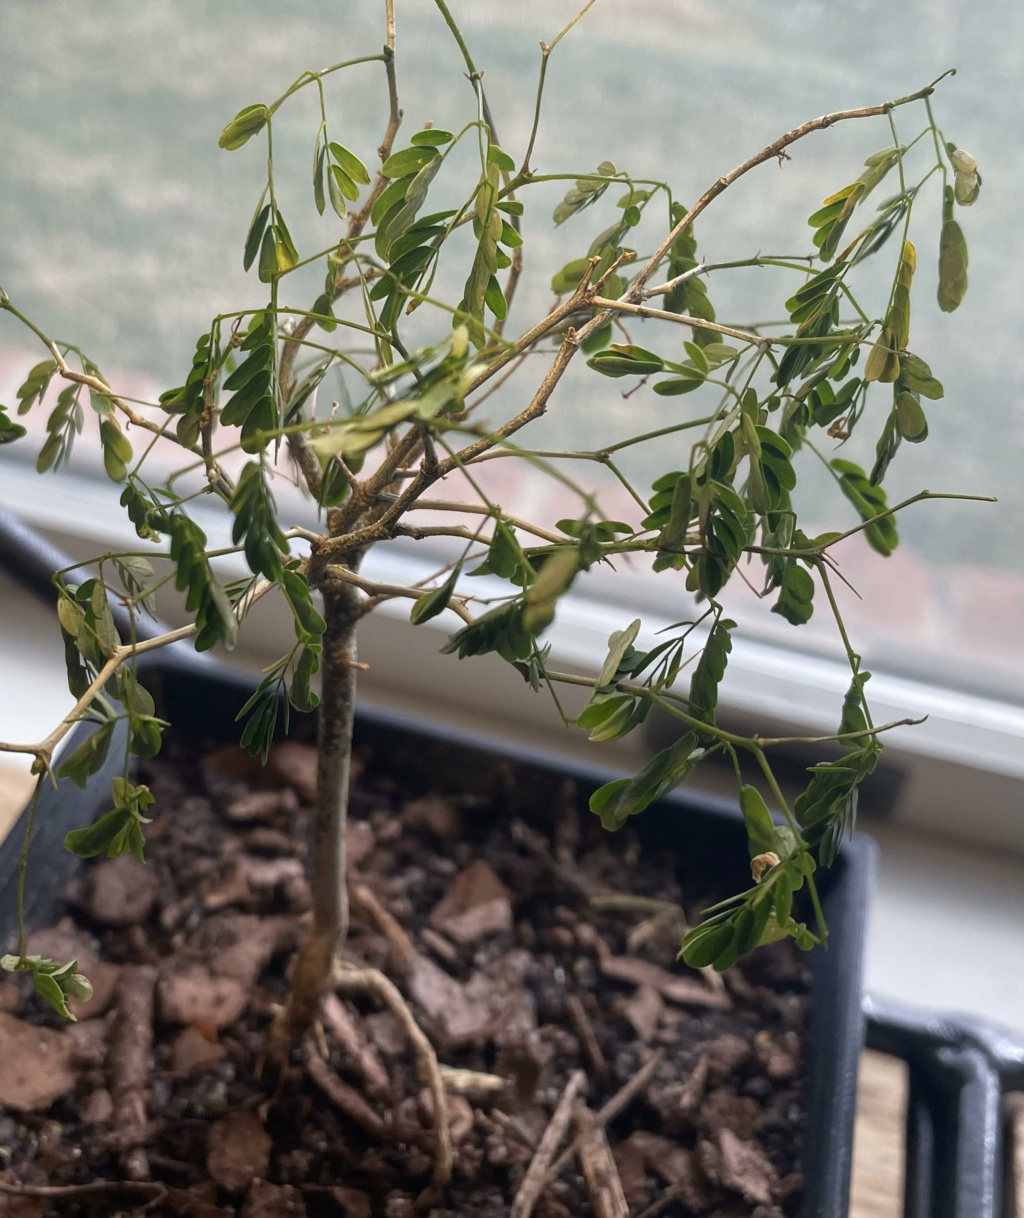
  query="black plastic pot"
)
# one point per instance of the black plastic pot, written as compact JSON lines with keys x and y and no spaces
{"x":707,"y":835}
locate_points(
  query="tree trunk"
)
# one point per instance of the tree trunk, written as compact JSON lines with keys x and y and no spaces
{"x":311,"y":972}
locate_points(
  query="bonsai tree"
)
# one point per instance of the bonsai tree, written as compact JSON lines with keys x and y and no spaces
{"x":248,"y":412}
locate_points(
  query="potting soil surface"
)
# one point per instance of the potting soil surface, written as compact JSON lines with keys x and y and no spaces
{"x":539,"y":958}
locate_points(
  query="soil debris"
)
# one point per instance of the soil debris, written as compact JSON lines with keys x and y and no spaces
{"x":239,"y":1151}
{"x":293,"y":764}
{"x":36,"y":1065}
{"x":643,"y":1011}
{"x":128,"y":1066}
{"x":476,"y":904}
{"x":193,"y":1050}
{"x":687,"y":991}
{"x":119,"y":892}
{"x":267,"y":1200}
{"x":744,"y":1168}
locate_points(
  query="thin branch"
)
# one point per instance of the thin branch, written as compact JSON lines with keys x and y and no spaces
{"x":624,"y":306}
{"x":388,"y":591}
{"x":558,"y":314}
{"x":865,"y":524}
{"x":536,"y":408}
{"x":43,"y":751}
{"x":664,"y":288}
{"x":480,"y":509}
{"x":438,"y":530}
{"x":839,"y":737}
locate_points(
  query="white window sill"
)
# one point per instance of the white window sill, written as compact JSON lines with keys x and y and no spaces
{"x":961,"y":772}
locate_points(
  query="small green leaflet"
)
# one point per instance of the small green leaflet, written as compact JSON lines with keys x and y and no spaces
{"x":796,"y":598}
{"x":710,"y":670}
{"x":870,"y":502}
{"x":89,"y":757}
{"x":254,"y":237}
{"x":760,"y":830}
{"x":617,"y":801}
{"x":952,"y":259}
{"x":9,"y":430}
{"x":500,"y":629}
{"x":55,"y":983}
{"x":431,"y":603}
{"x":626,"y":360}
{"x":431,"y":138}
{"x":553,"y":579}
{"x":244,"y":126}
{"x":118,"y":831}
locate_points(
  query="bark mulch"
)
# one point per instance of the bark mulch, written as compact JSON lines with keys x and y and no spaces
{"x":588,"y":1073}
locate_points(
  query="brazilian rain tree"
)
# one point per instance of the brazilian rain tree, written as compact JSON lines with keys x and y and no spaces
{"x":428,"y":207}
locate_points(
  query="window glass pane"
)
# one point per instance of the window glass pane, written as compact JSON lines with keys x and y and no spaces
{"x":121,"y":229}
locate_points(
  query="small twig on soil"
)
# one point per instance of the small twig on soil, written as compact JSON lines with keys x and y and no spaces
{"x":580,"y":1018}
{"x":128,"y":1066}
{"x":371,"y":981}
{"x":516,"y":1126}
{"x":659,"y":1203}
{"x":628,"y":1092}
{"x":473,"y":1082}
{"x":607,"y":1113}
{"x":660,"y":911}
{"x":539,"y":1171}
{"x":141,"y":1191}
{"x":439,"y":945}
{"x":604,"y":1188}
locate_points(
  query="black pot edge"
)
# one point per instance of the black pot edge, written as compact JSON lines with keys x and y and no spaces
{"x":959,"y":1159}
{"x":837,"y":1024}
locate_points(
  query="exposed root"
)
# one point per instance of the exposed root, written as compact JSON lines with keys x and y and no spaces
{"x":310,"y":980}
{"x":340,"y":1093}
{"x":360,"y":1053}
{"x":372,"y":981}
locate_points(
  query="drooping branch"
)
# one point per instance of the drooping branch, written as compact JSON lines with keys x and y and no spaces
{"x":43,"y":750}
{"x":773,"y":151}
